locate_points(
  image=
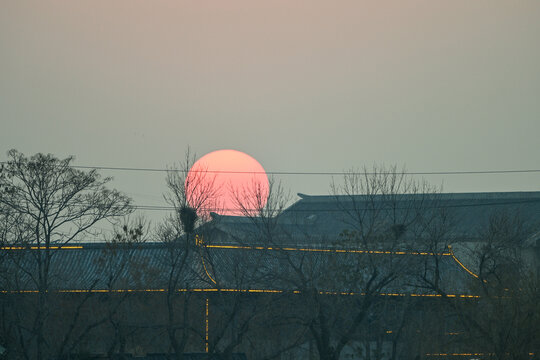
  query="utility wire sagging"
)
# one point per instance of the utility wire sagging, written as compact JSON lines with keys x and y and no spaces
{"x":320,"y":173}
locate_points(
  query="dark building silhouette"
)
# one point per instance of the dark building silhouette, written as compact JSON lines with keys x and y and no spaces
{"x":241,"y":280}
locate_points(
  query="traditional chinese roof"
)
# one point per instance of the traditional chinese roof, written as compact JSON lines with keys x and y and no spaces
{"x":233,"y":255}
{"x":320,"y":219}
{"x":146,"y":267}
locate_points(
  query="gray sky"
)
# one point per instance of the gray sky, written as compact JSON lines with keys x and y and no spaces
{"x":299,"y":85}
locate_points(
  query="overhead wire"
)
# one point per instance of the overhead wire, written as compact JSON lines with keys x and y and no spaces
{"x":320,"y":173}
{"x":339,"y":209}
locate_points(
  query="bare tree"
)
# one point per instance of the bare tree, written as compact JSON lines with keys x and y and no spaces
{"x":196,"y":190}
{"x":193,"y":195}
{"x":340,"y":288}
{"x":54,"y":204}
{"x":502,"y":321}
{"x":242,"y":317}
{"x":238,"y":313}
{"x":262,"y":207}
{"x":120,"y":269}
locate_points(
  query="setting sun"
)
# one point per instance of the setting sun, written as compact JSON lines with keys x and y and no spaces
{"x":228,"y":182}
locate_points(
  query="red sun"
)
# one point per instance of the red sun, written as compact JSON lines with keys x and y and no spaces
{"x":228,"y":182}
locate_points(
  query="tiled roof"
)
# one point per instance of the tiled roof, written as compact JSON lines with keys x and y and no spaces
{"x":146,"y":267}
{"x":96,"y":266}
{"x":234,"y":256}
{"x":469,"y":212}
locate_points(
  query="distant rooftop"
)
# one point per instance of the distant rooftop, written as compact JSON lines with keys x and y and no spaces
{"x":513,"y":195}
{"x":327,"y":216}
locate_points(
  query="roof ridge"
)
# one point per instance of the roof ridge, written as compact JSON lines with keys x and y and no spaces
{"x":492,"y":195}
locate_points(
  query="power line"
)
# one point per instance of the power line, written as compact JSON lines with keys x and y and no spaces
{"x":339,"y":207}
{"x":344,"y":209}
{"x":320,"y":173}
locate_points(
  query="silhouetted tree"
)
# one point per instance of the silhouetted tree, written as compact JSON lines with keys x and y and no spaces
{"x":338,"y":293}
{"x":192,"y":197}
{"x":503,"y":321}
{"x":54,"y":204}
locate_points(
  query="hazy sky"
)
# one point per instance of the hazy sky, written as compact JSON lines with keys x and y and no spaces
{"x":299,"y":85}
